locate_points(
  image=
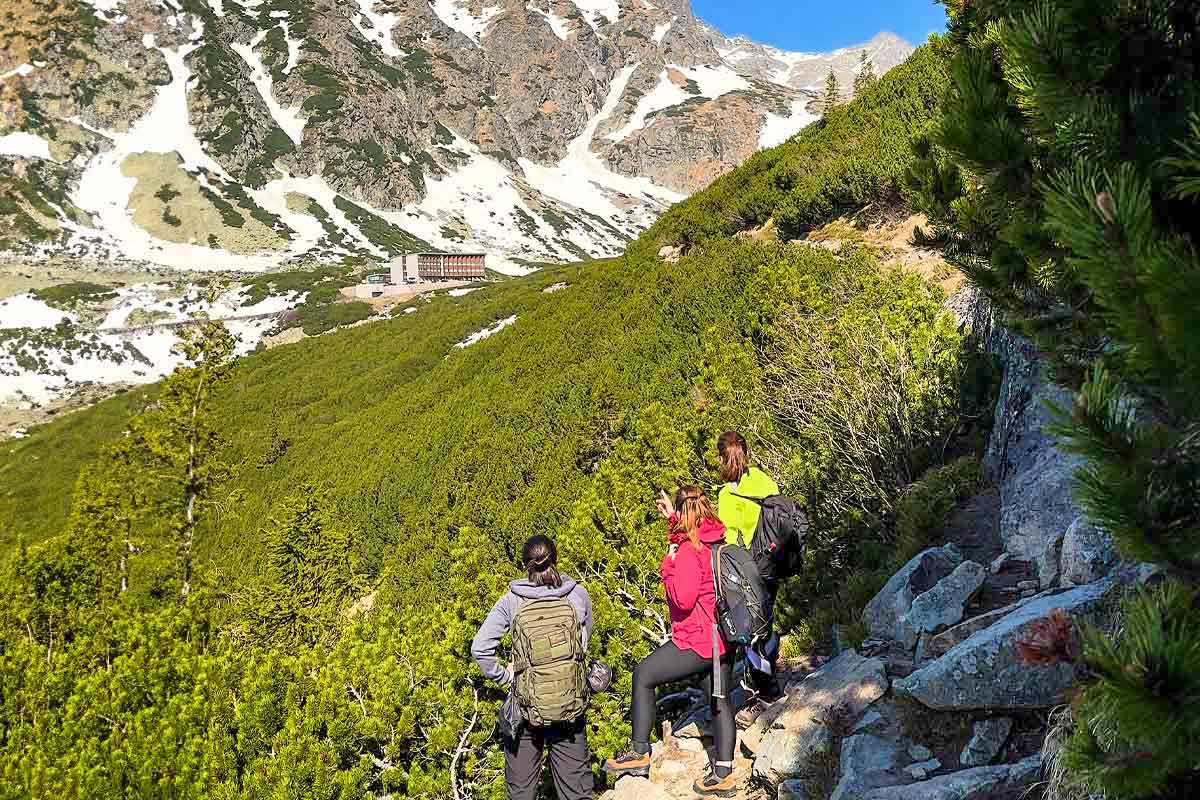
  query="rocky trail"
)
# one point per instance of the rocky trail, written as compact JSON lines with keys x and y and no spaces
{"x":937,"y":704}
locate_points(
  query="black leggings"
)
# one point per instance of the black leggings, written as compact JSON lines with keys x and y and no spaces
{"x":668,"y":664}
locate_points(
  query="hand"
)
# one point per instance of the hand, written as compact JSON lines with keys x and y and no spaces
{"x":672,"y":550}
{"x":664,"y":504}
{"x":509,"y":672}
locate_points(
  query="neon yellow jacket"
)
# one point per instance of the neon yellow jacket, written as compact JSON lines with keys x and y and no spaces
{"x":741,"y":516}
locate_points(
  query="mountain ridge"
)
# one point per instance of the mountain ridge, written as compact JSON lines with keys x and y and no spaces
{"x":549,"y":130}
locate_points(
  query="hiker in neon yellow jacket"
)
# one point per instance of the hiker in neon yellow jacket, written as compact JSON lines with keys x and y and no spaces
{"x":740,"y":517}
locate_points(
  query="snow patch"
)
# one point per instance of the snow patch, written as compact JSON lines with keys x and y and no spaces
{"x":293,"y":46}
{"x":25,"y":145}
{"x":778,"y":129}
{"x":593,"y":10}
{"x":484,"y":333}
{"x":273,"y":197}
{"x":582,"y":180}
{"x":380,"y":30}
{"x":711,"y":81}
{"x":660,"y":31}
{"x":217,"y":6}
{"x":458,"y":16}
{"x":26,"y":311}
{"x":288,"y":119}
{"x":22,"y":71}
{"x":463,"y":292}
{"x":410,"y":310}
{"x":559,"y":25}
{"x":554,"y":287}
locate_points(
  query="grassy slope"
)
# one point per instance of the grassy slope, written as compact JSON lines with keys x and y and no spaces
{"x":368,"y":410}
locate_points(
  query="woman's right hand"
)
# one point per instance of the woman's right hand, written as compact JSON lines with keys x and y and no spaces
{"x":664,"y":504}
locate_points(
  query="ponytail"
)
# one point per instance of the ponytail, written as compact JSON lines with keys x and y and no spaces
{"x":541,"y":561}
{"x":734,"y":456}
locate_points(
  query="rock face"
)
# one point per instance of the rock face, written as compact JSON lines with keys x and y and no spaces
{"x":987,"y":739}
{"x":981,"y":783}
{"x":985,"y":672}
{"x":1088,"y":554}
{"x":634,"y":788}
{"x":1034,"y":476}
{"x":941,"y":606}
{"x":895,"y":599}
{"x":790,"y":732}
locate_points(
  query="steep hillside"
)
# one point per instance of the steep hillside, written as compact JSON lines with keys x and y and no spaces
{"x":244,"y":135}
{"x":364,"y":495}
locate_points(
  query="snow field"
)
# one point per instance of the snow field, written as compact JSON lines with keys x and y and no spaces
{"x":458,"y":16}
{"x":712,"y":82}
{"x":776,"y":129}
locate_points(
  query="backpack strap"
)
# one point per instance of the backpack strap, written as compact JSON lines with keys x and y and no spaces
{"x":755,"y":500}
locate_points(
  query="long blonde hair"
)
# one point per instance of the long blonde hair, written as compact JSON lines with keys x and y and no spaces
{"x":693,"y":507}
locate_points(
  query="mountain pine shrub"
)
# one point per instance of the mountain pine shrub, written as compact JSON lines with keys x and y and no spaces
{"x":1063,"y":179}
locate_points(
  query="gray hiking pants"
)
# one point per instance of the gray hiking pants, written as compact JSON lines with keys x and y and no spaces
{"x":569,"y":762}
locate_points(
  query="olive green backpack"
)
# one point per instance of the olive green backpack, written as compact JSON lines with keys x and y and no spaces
{"x":550,"y":681}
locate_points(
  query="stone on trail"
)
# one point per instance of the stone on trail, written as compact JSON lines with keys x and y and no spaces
{"x":793,"y":790}
{"x":895,"y":599}
{"x":941,"y":606}
{"x":980,"y":783}
{"x":867,"y":762}
{"x":634,"y":788}
{"x":984,"y":671}
{"x":919,"y":752}
{"x":786,"y":736}
{"x":986,"y":742}
{"x":1088,"y":553}
{"x":921,"y":769}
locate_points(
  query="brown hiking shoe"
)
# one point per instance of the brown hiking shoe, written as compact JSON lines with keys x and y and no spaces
{"x":628,"y":762}
{"x":750,"y":714}
{"x":712,"y":786}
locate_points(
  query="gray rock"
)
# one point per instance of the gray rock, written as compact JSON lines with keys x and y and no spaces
{"x":980,"y":783}
{"x":1048,"y":560}
{"x":867,"y":762}
{"x":919,"y":752}
{"x":1033,"y":476}
{"x":999,"y":563}
{"x":790,"y":732}
{"x":921,"y":769}
{"x":895,"y":599}
{"x":984,"y":671}
{"x":1088,"y":553}
{"x":987,"y":739}
{"x":870,"y":720}
{"x":793,"y":790}
{"x":941,"y":606}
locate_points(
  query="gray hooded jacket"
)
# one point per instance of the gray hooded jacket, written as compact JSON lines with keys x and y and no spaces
{"x":499,"y":621}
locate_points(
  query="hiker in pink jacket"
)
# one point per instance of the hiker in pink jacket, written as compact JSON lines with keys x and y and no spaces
{"x":687,"y":574}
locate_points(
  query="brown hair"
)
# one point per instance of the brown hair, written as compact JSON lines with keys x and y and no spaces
{"x":541,"y":561}
{"x":734,"y":456}
{"x":693,"y":508}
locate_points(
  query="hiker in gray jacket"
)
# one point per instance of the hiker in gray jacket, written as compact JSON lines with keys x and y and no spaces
{"x":550,"y":618}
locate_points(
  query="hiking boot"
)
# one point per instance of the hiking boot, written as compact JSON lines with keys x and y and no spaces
{"x":712,"y":786}
{"x":628,"y":762}
{"x":750,"y":714}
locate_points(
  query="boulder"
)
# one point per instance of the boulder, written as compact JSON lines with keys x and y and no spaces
{"x":980,"y":783}
{"x":791,"y":731}
{"x":635,"y":788}
{"x":984,"y":671}
{"x":1088,"y":553}
{"x":895,"y":599}
{"x":867,"y":762}
{"x":920,"y":770}
{"x":941,"y":606}
{"x":919,"y":752}
{"x":987,"y":739}
{"x":942,"y":643}
{"x":1048,"y":560}
{"x":793,"y":790}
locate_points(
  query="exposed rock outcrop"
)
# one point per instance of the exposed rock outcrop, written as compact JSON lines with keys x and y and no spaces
{"x":987,"y":739}
{"x":885,"y":611}
{"x":788,"y":734}
{"x":986,"y":672}
{"x":981,"y":783}
{"x":941,"y":606}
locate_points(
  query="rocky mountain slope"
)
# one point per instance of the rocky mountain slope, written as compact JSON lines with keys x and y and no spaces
{"x":249,"y":133}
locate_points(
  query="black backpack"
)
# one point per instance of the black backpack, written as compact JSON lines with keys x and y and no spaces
{"x":743,"y":601}
{"x":778,"y":543}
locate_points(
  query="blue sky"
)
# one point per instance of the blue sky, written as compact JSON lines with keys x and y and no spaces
{"x":825,"y":25}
